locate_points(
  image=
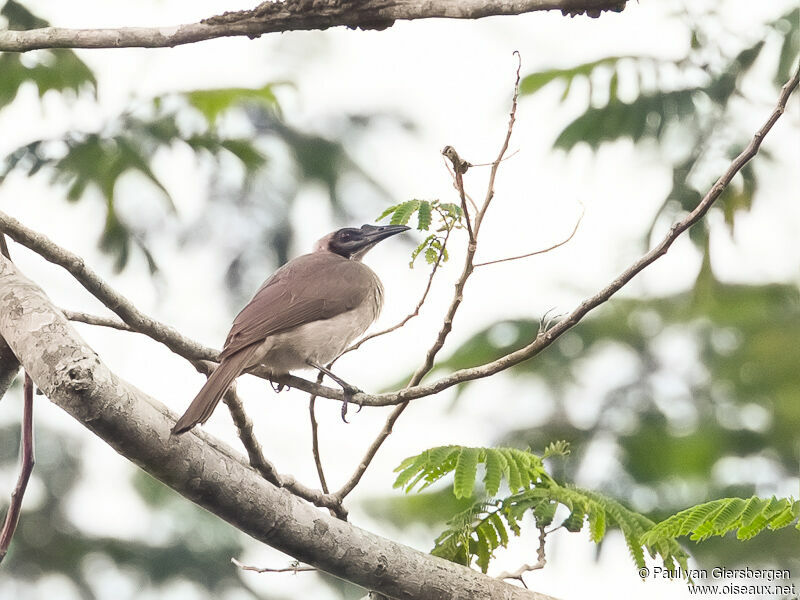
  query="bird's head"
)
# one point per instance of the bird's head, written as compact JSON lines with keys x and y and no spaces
{"x":354,"y":243}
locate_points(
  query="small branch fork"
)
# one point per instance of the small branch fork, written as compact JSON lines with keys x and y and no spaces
{"x":258,"y":461}
{"x":192,"y":351}
{"x":540,"y":563}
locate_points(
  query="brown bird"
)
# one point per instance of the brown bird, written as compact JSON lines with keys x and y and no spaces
{"x":304,"y":315}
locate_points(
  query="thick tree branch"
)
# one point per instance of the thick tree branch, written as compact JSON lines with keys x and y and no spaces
{"x":9,"y":367}
{"x":291,"y":15}
{"x":211,"y":474}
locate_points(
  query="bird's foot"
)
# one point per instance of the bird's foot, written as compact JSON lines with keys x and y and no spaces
{"x":348,"y":392}
{"x":277,"y":387}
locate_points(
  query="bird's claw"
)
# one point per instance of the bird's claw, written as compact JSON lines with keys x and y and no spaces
{"x":277,"y":387}
{"x":348,"y":393}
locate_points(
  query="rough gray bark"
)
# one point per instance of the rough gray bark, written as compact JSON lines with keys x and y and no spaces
{"x":9,"y":367}
{"x":210,"y":473}
{"x":291,"y":15}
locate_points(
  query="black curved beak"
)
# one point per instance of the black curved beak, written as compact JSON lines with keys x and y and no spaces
{"x":376,"y":233}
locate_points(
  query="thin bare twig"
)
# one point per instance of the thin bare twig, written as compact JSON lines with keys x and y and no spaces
{"x":459,"y":167}
{"x":259,"y":462}
{"x":312,"y":401}
{"x":244,"y":427}
{"x":505,"y":158}
{"x":543,"y":251}
{"x":512,"y":117}
{"x":386,"y":431}
{"x":26,"y":468}
{"x":546,"y":338}
{"x":540,"y":563}
{"x":417,"y":308}
{"x":396,"y":326}
{"x":293,"y":569}
{"x":82,"y":317}
{"x":100,"y":289}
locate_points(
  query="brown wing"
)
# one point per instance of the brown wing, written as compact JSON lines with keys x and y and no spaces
{"x":309,"y":288}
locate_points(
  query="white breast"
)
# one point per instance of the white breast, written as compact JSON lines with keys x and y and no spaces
{"x":319,"y":341}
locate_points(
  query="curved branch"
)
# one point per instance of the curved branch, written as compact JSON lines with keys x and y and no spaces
{"x":211,"y":474}
{"x":537,"y":252}
{"x":290,"y":15}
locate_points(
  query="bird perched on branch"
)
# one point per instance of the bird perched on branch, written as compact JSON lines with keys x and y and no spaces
{"x":303,"y":316}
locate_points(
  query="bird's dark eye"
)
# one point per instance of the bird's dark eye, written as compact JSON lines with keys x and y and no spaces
{"x":344,"y":236}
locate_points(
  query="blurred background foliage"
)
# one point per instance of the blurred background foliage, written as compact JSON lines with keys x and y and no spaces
{"x":261,"y":163}
{"x":718,"y":420}
{"x":177,"y":541}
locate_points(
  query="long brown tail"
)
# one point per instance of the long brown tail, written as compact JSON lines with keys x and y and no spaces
{"x":209,"y":395}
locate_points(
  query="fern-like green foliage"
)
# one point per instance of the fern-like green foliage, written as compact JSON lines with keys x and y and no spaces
{"x":748,"y":517}
{"x":476,"y":533}
{"x":442,"y":217}
{"x":518,"y":468}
